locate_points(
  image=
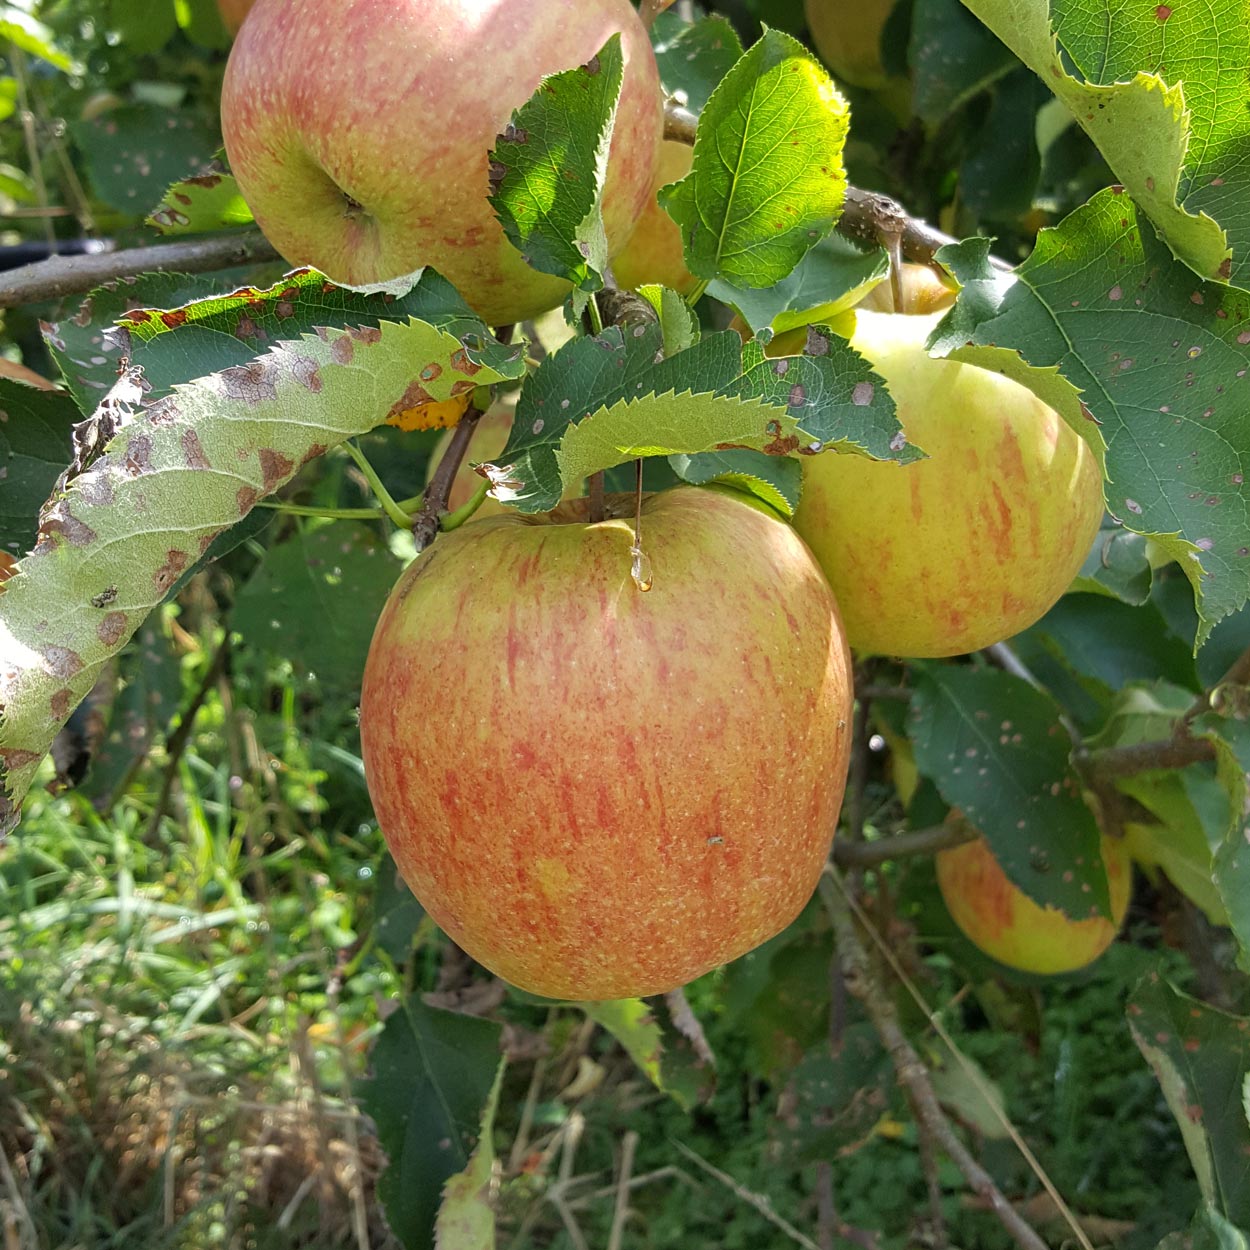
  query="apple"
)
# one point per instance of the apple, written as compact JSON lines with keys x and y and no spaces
{"x":975,"y":543}
{"x":923,"y":292}
{"x":360,"y":133}
{"x":654,"y":251}
{"x":233,"y":12}
{"x":848,"y":38}
{"x":1010,"y":927}
{"x":601,"y":792}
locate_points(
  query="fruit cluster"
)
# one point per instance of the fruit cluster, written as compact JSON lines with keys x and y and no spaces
{"x":601,"y":792}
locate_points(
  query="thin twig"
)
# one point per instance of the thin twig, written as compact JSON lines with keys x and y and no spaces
{"x":177,"y":741}
{"x":74,"y":275}
{"x":621,"y":1212}
{"x":598,"y":502}
{"x":911,"y":1071}
{"x":848,"y":854}
{"x":426,"y":524}
{"x":1238,"y":674}
{"x":759,"y":1201}
{"x":1144,"y":757}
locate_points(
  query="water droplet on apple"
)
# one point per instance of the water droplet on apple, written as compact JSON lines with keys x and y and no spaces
{"x":640,"y":568}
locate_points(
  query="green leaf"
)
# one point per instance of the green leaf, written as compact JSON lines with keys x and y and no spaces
{"x":839,"y":1095}
{"x":768,"y":180}
{"x":999,"y":176}
{"x":648,"y":1043}
{"x":433,"y":1073}
{"x":831,"y":278}
{"x":1158,"y":93}
{"x":397,"y":914}
{"x":1189,"y":829}
{"x":133,"y":153}
{"x":777,"y":480}
{"x":995,"y":748}
{"x":199,"y":205}
{"x":315,"y":599}
{"x":180,"y":472}
{"x":466,"y":1217}
{"x":1208,"y":1230}
{"x":1231,"y":738}
{"x":36,"y":444}
{"x":679,"y":327}
{"x":693,"y":57}
{"x":1163,"y":383}
{"x":601,"y":401}
{"x":1201,"y":1057}
{"x":952,"y":57}
{"x":1117,"y":565}
{"x":144,"y":26}
{"x":32,"y":37}
{"x":548,"y":168}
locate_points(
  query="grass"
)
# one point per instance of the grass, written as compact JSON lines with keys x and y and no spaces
{"x":189,"y":987}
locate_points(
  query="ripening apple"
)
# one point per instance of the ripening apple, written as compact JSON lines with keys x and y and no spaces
{"x":975,"y":543}
{"x":923,"y":292}
{"x":233,"y":12}
{"x":654,"y":251}
{"x":598,"y":791}
{"x":1007,"y":925}
{"x":848,"y":38}
{"x":360,"y":132}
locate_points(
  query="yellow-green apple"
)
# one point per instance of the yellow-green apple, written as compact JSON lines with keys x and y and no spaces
{"x":601,"y":792}
{"x":233,"y":12}
{"x":654,"y":253}
{"x":1010,"y":927}
{"x":971,"y":545}
{"x":848,"y":38}
{"x":360,"y":132}
{"x":923,"y":292}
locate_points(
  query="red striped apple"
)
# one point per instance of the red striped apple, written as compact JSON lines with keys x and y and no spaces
{"x":360,"y":132}
{"x":601,"y":792}
{"x":974,"y":544}
{"x":1010,"y":927}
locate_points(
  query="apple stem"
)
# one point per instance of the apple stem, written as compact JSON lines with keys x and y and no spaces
{"x":453,"y":520}
{"x":640,"y":566}
{"x":392,"y":509}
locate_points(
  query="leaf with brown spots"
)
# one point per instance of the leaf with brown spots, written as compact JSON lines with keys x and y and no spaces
{"x":172,"y":484}
{"x":1201,"y":1057}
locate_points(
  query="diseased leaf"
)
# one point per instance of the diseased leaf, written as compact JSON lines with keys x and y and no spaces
{"x":548,"y":169}
{"x":183,"y":471}
{"x":1157,"y":90}
{"x":200,"y":204}
{"x":1201,"y":1057}
{"x":836,"y":1096}
{"x":693,"y":57}
{"x":601,"y":401}
{"x":35,"y":446}
{"x":995,"y":748}
{"x":1157,"y":358}
{"x":433,"y":1073}
{"x":315,"y":598}
{"x":133,"y":153}
{"x":768,"y":181}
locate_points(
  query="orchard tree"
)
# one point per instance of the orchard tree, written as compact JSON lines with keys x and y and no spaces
{"x":787,"y":556}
